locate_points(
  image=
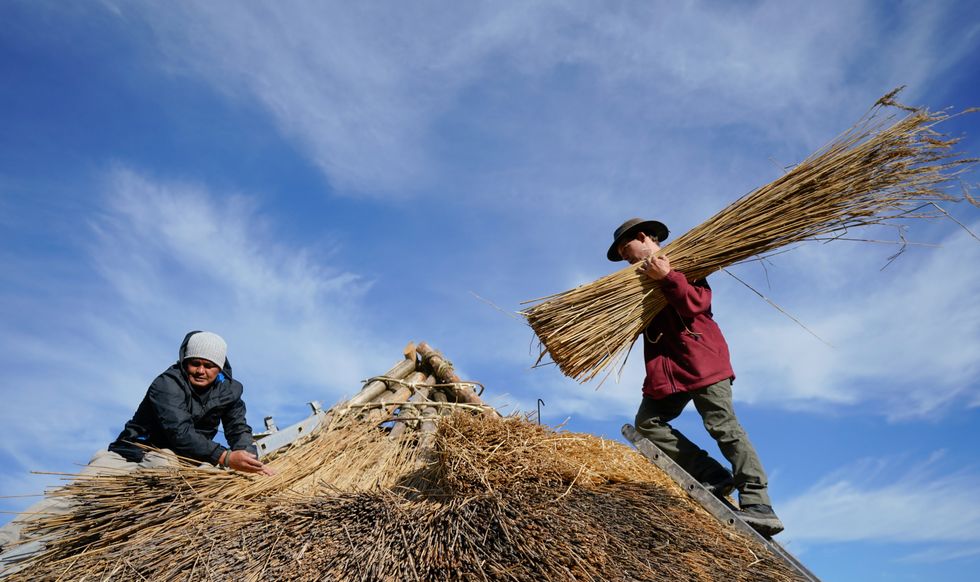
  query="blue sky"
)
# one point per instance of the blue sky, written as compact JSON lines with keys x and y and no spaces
{"x":321,"y":183}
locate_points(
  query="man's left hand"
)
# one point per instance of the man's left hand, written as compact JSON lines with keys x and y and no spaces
{"x":655,"y":267}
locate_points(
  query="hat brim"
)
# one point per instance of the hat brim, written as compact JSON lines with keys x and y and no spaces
{"x":651,"y":227}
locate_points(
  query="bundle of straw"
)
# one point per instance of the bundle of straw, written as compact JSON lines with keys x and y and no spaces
{"x":877,"y":172}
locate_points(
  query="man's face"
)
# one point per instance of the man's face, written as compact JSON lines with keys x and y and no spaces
{"x":200,"y":372}
{"x":638,"y":248}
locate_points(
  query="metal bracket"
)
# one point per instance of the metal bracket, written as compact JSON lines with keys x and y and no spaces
{"x":720,"y":510}
{"x":272,"y":441}
{"x":270,"y":424}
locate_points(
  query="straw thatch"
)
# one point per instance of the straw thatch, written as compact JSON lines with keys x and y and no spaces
{"x":485,"y":498}
{"x":880,"y":171}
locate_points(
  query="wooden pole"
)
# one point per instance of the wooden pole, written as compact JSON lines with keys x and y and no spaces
{"x":444,"y":372}
{"x":421,"y":396}
{"x":375,"y":388}
{"x":401,"y":394}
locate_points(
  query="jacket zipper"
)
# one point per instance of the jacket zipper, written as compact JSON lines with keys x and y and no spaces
{"x":670,"y":376}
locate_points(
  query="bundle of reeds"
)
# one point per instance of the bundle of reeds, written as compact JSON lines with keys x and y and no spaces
{"x":881,"y":170}
{"x":489,"y":498}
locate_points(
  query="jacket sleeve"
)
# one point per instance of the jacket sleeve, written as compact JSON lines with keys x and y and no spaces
{"x":168,"y":404}
{"x":237,"y":431}
{"x":689,"y":300}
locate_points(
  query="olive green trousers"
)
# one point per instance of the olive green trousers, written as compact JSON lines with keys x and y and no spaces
{"x":714,"y":404}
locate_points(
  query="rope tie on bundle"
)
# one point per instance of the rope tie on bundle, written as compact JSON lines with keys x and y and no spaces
{"x":478,"y":387}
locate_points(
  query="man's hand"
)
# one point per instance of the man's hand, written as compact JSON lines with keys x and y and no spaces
{"x":654,"y":267}
{"x":246,"y":462}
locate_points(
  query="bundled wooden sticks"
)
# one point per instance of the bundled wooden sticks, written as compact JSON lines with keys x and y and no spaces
{"x":479,"y":497}
{"x":878,"y":172}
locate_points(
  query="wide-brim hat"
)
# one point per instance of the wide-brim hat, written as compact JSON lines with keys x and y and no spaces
{"x":628,"y":230}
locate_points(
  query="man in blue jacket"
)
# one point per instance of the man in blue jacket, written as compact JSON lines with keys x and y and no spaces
{"x":183,"y":406}
{"x":179,"y":416}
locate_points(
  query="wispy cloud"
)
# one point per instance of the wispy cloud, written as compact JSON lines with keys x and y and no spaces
{"x":905,"y":339}
{"x":172,"y":257}
{"x":891,"y":501}
{"x":372,"y":92}
{"x":177,"y":253}
{"x":945,"y":553}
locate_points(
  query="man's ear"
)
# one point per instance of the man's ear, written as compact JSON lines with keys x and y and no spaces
{"x":647,"y":237}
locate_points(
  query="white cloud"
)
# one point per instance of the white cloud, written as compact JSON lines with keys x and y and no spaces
{"x":177,"y":253}
{"x":872,"y":501}
{"x":905,"y":339}
{"x":935,"y":555}
{"x":378,"y":93}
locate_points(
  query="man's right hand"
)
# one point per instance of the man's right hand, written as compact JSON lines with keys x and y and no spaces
{"x":655,"y":267}
{"x":246,"y":462}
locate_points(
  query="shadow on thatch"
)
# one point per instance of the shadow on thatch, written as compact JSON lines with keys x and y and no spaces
{"x":482,"y":497}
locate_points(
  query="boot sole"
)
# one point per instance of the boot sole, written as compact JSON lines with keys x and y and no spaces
{"x":767,"y":526}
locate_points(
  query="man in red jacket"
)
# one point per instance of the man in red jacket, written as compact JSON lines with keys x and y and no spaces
{"x":687,"y":359}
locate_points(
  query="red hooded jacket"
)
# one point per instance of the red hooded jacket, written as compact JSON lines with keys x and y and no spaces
{"x":683,"y":347}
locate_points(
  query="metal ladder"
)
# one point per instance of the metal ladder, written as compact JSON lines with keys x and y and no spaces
{"x":274,"y":439}
{"x":720,"y":510}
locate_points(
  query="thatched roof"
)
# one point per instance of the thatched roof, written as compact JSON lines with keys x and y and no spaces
{"x":458,"y":493}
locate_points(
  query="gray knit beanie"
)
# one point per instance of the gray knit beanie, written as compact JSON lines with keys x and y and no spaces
{"x":208,"y":346}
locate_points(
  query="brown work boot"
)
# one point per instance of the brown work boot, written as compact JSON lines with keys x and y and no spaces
{"x":762,"y":519}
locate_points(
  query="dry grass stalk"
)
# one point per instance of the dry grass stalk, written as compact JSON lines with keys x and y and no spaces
{"x":878,"y":172}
